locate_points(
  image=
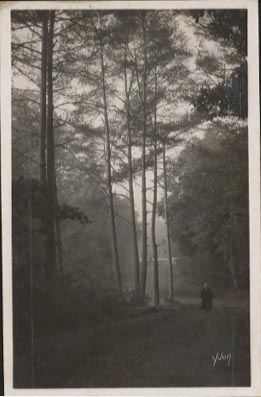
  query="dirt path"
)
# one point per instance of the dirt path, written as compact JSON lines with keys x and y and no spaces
{"x":170,"y":348}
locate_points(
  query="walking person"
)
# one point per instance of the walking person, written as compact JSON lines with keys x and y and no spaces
{"x":206,"y":298}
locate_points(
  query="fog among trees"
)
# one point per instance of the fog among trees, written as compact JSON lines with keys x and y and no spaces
{"x":130,"y":167}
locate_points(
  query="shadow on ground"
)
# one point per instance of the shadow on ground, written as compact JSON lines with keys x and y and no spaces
{"x":159,"y":348}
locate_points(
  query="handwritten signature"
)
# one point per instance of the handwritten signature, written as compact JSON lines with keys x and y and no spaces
{"x":222,"y":357}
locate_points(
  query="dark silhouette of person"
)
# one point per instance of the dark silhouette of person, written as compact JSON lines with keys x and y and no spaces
{"x":206,"y":298}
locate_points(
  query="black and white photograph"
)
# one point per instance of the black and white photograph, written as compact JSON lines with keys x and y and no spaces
{"x":130,"y":196}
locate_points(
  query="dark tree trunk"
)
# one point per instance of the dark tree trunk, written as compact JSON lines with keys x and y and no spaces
{"x":109,"y":179}
{"x":168,"y":226}
{"x":59,"y":245}
{"x":231,"y":250}
{"x":42,"y":137}
{"x":131,"y":191}
{"x":43,"y":100}
{"x":144,"y":135}
{"x":154,"y":206}
{"x":50,"y":243}
{"x":57,"y":227}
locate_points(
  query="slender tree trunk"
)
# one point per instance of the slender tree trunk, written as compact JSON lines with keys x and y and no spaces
{"x":42,"y":140}
{"x":143,"y":189}
{"x":109,"y":179}
{"x":168,"y":226}
{"x":43,"y":100}
{"x":57,"y":227}
{"x":50,"y":155}
{"x":154,"y":206}
{"x":231,"y":227}
{"x":131,"y":191}
{"x":59,"y":245}
{"x":231,"y":251}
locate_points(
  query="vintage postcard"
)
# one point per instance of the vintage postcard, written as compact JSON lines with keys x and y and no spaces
{"x":131,"y":198}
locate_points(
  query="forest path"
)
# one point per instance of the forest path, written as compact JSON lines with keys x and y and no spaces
{"x":218,"y":303}
{"x":169,"y":348}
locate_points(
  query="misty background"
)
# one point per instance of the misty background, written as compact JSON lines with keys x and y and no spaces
{"x":130,"y":190}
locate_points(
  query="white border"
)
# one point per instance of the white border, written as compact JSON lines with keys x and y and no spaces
{"x":131,"y":4}
{"x":254,"y":186}
{"x":6,"y":180}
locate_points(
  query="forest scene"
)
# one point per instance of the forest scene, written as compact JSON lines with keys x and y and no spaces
{"x":130,"y":208}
